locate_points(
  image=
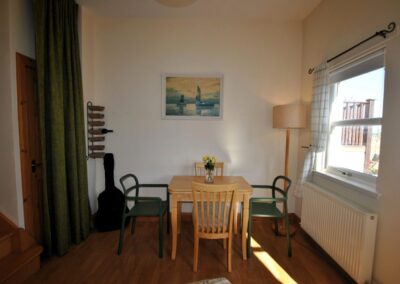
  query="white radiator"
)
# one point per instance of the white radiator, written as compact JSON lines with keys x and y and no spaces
{"x":345,"y":231}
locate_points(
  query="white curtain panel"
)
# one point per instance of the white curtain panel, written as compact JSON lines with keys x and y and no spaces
{"x":320,"y":113}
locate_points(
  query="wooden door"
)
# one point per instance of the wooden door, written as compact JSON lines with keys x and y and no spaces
{"x":30,"y":148}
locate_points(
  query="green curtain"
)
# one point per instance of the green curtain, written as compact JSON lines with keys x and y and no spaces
{"x":65,"y":192}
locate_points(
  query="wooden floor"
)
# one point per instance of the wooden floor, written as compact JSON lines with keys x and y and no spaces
{"x":96,"y":260}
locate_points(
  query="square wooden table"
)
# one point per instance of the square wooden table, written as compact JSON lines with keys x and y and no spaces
{"x":180,"y":189}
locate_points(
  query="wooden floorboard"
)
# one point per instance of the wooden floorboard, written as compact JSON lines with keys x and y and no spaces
{"x":96,"y":260}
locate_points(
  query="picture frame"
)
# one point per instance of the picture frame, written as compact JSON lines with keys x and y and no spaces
{"x":192,"y":96}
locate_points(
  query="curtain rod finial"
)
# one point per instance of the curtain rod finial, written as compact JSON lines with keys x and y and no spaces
{"x":310,"y":71}
{"x":392,"y":26}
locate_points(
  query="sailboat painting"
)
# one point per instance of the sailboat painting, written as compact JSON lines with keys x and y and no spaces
{"x":192,"y":96}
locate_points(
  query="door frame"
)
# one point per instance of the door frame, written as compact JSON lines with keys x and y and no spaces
{"x":33,"y":224}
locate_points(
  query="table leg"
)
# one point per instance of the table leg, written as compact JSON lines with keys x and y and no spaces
{"x":179,"y":217}
{"x":174,"y":217}
{"x":245,"y":224}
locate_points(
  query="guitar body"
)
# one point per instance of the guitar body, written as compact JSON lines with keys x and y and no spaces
{"x":110,"y":201}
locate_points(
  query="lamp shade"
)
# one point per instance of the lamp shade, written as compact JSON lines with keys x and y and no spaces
{"x":289,"y":116}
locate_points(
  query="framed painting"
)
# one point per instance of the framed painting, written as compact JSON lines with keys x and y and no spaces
{"x":192,"y":96}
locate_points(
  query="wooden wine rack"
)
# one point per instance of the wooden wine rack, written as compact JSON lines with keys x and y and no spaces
{"x":95,"y":130}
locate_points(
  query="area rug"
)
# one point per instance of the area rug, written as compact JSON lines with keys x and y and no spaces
{"x":221,"y":280}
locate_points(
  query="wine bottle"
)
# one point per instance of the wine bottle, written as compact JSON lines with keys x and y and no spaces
{"x":105,"y":130}
{"x":100,"y":131}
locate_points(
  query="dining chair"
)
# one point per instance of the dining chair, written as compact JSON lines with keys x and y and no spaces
{"x":213,"y":215}
{"x":199,"y":170}
{"x":267,"y":207}
{"x":143,"y":206}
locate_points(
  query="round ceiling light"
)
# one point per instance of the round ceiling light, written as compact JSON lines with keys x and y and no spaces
{"x":176,"y":3}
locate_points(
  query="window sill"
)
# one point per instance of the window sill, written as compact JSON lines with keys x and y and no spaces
{"x":356,"y":185}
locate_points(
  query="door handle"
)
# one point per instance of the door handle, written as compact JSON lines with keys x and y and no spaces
{"x":34,"y":165}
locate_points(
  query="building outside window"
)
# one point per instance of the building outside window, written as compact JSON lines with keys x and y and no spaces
{"x":356,"y":117}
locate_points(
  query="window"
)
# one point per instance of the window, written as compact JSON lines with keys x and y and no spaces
{"x":355,"y":121}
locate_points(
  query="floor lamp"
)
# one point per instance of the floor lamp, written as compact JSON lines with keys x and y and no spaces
{"x":291,"y":116}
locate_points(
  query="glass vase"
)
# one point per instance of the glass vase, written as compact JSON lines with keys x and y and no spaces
{"x":209,"y":177}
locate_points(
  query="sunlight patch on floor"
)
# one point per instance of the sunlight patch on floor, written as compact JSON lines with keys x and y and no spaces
{"x":276,"y":270}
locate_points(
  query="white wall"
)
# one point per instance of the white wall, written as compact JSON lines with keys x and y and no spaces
{"x":333,"y":27}
{"x":261,"y":64}
{"x":17,"y":35}
{"x":87,"y":33}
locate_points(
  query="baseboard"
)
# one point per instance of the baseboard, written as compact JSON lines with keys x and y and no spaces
{"x":187,"y":217}
{"x":23,"y":240}
{"x":6,"y":224}
{"x":150,"y":218}
{"x":294,"y":219}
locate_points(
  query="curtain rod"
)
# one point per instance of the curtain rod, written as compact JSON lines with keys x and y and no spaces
{"x":391,"y":27}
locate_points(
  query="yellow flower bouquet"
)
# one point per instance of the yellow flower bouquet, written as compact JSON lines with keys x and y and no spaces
{"x":209,"y":162}
{"x":209,"y":165}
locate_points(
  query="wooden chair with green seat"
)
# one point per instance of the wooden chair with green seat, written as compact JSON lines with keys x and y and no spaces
{"x":267,"y":207}
{"x":143,"y":206}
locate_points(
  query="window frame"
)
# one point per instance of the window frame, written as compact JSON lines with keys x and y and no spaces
{"x":351,"y":177}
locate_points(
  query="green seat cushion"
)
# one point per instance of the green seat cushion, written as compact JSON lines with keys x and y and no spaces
{"x":264,"y":209}
{"x":147,"y":208}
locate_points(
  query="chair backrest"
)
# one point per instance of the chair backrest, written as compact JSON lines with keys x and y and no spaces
{"x":213,"y":208}
{"x":286,"y":183}
{"x":129,"y":182}
{"x":199,"y":169}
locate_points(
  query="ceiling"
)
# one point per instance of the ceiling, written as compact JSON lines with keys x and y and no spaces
{"x":276,"y":10}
